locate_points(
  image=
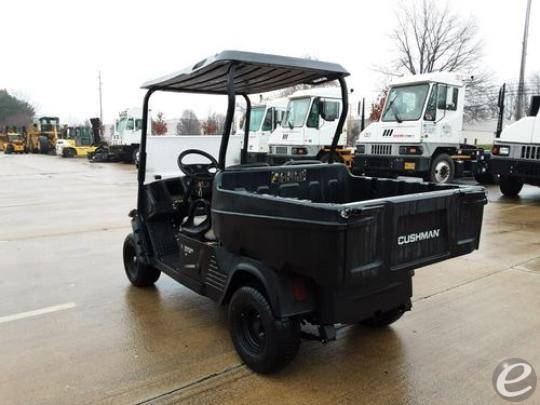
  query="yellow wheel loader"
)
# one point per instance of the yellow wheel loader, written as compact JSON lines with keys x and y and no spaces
{"x":43,"y":134}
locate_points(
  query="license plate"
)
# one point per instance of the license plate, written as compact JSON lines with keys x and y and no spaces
{"x":410,"y":166}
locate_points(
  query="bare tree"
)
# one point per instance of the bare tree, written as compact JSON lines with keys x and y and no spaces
{"x":431,"y":38}
{"x":189,"y":124}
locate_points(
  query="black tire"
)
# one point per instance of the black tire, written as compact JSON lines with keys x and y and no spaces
{"x":135,"y":157}
{"x":9,"y":149}
{"x":324,"y":157}
{"x":442,"y":169}
{"x":68,"y":152}
{"x":137,"y":272}
{"x":487,"y":178}
{"x":263,"y":342}
{"x":384,"y":318}
{"x":43,"y":144}
{"x":510,"y":186}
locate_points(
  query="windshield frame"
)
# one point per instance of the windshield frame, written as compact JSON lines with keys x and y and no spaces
{"x":285,"y":121}
{"x":401,"y":118}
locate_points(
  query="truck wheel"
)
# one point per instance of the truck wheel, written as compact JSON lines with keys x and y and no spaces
{"x":138,"y":273}
{"x":510,"y":186}
{"x":9,"y":149}
{"x":68,"y":152}
{"x":263,"y":342}
{"x":384,"y":318}
{"x":43,"y":144}
{"x":442,"y":169}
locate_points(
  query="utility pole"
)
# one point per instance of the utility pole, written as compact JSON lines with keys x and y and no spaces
{"x":100,"y":99}
{"x":520,"y":102}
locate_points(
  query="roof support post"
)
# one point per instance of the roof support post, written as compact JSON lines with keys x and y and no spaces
{"x":229,"y":117}
{"x":243,"y":157}
{"x":342,"y":117}
{"x":142,"y":148}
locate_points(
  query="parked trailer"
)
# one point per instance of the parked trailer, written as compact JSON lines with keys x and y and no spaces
{"x":287,"y":245}
{"x":419,"y":133}
{"x":515,"y":157}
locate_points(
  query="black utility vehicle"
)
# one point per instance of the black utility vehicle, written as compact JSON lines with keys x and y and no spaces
{"x":290,"y":245}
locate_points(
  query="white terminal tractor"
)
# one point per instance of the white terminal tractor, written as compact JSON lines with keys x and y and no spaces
{"x":420,"y":132}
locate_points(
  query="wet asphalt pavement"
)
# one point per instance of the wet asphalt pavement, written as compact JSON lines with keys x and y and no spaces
{"x":73,"y":330}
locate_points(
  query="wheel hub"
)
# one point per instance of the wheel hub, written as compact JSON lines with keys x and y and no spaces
{"x":442,"y":172}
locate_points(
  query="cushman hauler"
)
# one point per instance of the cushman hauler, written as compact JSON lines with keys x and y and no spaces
{"x":305,"y":242}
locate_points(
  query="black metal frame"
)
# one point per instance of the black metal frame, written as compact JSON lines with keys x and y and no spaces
{"x":231,"y":94}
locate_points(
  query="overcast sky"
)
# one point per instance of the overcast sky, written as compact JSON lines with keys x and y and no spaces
{"x":52,"y":50}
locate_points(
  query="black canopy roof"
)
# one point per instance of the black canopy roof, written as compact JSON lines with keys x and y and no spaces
{"x":254,"y":73}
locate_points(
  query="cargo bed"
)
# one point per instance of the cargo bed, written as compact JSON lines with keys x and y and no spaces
{"x":336,"y":228}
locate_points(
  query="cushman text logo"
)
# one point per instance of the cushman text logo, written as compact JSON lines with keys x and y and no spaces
{"x":419,"y":236}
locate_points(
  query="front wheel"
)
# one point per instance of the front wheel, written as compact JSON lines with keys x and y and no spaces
{"x":442,"y":169}
{"x":43,"y":144}
{"x":263,"y":342}
{"x":510,"y":186}
{"x":384,"y":318}
{"x":9,"y":149}
{"x":138,"y":273}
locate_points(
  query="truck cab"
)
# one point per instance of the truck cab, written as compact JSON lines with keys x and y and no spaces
{"x":419,"y":132}
{"x":265,"y":118}
{"x":308,"y":126}
{"x":515,"y":157}
{"x":126,"y":138}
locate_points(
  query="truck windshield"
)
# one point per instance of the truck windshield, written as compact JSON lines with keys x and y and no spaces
{"x":255,"y":118}
{"x":296,"y":113}
{"x":405,"y":103}
{"x":14,"y":137}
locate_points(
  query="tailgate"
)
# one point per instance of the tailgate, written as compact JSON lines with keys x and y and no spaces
{"x":411,"y":231}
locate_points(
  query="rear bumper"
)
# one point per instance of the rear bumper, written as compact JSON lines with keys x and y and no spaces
{"x":370,"y":164}
{"x":528,"y":170}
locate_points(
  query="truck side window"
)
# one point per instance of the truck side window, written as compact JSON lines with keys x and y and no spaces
{"x":453,"y":95}
{"x":313,"y":117}
{"x":138,"y":125}
{"x":267,"y":123}
{"x":130,"y":126}
{"x":431,"y":109}
{"x":441,"y":97}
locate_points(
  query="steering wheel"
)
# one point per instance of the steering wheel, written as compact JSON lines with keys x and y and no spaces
{"x":198,"y":171}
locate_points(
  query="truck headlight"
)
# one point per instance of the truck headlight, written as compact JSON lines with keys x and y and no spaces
{"x":500,"y":150}
{"x":410,"y":150}
{"x":299,"y":151}
{"x":360,"y":149}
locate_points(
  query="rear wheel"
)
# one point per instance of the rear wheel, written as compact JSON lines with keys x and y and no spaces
{"x":43,"y":144}
{"x":263,"y":342}
{"x":137,"y":272}
{"x":68,"y":152}
{"x":510,"y":186}
{"x":442,"y":169}
{"x":384,"y":318}
{"x":9,"y":149}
